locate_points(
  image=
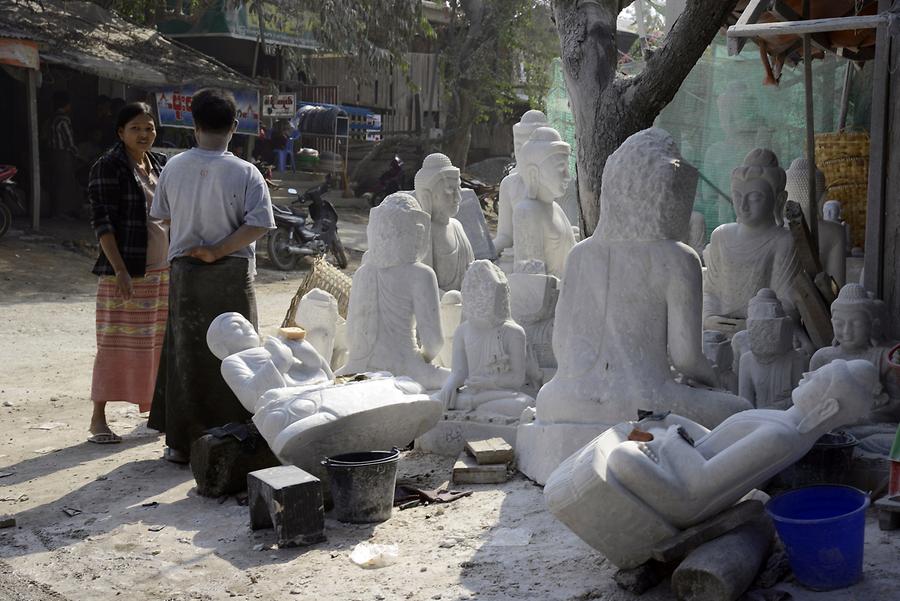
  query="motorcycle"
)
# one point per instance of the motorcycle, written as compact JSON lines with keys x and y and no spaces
{"x":389,"y":182}
{"x":298,"y":234}
{"x":10,"y":197}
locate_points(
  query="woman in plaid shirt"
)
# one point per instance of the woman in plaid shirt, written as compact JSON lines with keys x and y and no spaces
{"x":132,"y":294}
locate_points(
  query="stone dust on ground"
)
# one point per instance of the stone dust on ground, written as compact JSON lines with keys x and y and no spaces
{"x":101,"y":521}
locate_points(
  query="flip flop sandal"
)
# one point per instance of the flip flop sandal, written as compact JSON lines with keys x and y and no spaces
{"x":105,"y":438}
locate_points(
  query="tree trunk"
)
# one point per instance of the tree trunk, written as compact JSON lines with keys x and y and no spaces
{"x":458,"y":125}
{"x":607,"y":108}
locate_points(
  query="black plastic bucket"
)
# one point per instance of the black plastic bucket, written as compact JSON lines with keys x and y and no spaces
{"x":362,"y":485}
{"x":828,"y":462}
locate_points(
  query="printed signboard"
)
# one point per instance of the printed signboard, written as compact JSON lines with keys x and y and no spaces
{"x":173,"y":106}
{"x":279,"y":105}
{"x":19,"y":53}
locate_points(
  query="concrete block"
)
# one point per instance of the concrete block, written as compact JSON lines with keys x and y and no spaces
{"x":289,"y":500}
{"x":888,"y":513}
{"x":490,"y":451}
{"x":467,"y":471}
{"x":220,"y":465}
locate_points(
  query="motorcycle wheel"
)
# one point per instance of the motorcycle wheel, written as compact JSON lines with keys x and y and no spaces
{"x":5,"y":218}
{"x":279,"y":254}
{"x":337,"y":250}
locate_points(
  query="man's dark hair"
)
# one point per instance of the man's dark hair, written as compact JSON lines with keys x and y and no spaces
{"x":60,"y":99}
{"x":103,"y":99}
{"x":214,"y":110}
{"x":130,"y":111}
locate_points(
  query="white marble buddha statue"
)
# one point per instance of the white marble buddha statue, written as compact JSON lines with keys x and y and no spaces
{"x":251,"y":369}
{"x":489,"y":357}
{"x":512,"y":187}
{"x":717,"y":348}
{"x":317,"y":313}
{"x":832,"y":236}
{"x":772,"y":367}
{"x":854,"y":317}
{"x":832,"y":211}
{"x":437,"y":191}
{"x":540,"y":227}
{"x":623,"y":494}
{"x":393,"y":321}
{"x":753,"y":253}
{"x":628,"y":311}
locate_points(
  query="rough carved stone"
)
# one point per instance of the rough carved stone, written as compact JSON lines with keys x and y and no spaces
{"x":289,"y":500}
{"x":628,"y":311}
{"x":772,"y":367}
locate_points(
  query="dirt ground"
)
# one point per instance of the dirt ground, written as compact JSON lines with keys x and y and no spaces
{"x":99,"y":522}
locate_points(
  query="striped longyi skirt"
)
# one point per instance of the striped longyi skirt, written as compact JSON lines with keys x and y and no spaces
{"x":130,"y":338}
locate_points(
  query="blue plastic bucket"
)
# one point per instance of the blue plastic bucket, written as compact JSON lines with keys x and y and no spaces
{"x":822,"y":528}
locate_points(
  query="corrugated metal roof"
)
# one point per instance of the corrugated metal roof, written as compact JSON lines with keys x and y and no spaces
{"x":86,"y":37}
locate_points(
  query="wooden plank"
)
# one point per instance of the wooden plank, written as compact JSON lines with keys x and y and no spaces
{"x":813,"y":310}
{"x":467,"y":471}
{"x":750,"y":15}
{"x":879,"y":144}
{"x":808,"y":26}
{"x":784,"y":12}
{"x":810,"y":137}
{"x":490,"y":451}
{"x":803,"y":243}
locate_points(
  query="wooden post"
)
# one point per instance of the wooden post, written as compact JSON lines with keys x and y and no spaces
{"x":810,"y":134}
{"x":878,"y":155}
{"x":845,"y":97}
{"x":34,"y":155}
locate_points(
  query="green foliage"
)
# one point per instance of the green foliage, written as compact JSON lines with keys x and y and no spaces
{"x":494,"y":50}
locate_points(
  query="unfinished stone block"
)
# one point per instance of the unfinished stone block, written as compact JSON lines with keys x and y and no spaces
{"x":220,"y":465}
{"x":888,"y":513}
{"x":467,"y":471}
{"x":490,"y":451}
{"x":290,"y":500}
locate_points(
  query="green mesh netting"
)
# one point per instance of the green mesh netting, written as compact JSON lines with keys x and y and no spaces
{"x":723,"y":89}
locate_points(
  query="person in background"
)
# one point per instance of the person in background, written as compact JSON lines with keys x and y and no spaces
{"x":65,"y":193}
{"x":133,"y":291}
{"x":218,"y":206}
{"x":104,"y":122}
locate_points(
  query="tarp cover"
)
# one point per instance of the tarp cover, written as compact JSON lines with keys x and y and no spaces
{"x":84,"y":36}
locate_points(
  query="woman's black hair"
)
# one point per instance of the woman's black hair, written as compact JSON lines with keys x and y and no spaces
{"x":130,"y":111}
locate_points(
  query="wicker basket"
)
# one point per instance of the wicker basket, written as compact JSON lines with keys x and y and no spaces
{"x":847,"y":170}
{"x":853,"y":199}
{"x":327,"y":277}
{"x":841,"y":144}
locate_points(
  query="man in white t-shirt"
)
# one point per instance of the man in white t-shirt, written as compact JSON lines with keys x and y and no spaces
{"x":218,"y":205}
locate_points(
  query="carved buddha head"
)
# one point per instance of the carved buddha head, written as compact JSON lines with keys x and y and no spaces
{"x":544,"y":165}
{"x":437,"y":187}
{"x":231,"y":333}
{"x":757,"y":188}
{"x":485,"y":293}
{"x":530,"y":121}
{"x":397,"y":231}
{"x":771,"y":331}
{"x":853,"y":318}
